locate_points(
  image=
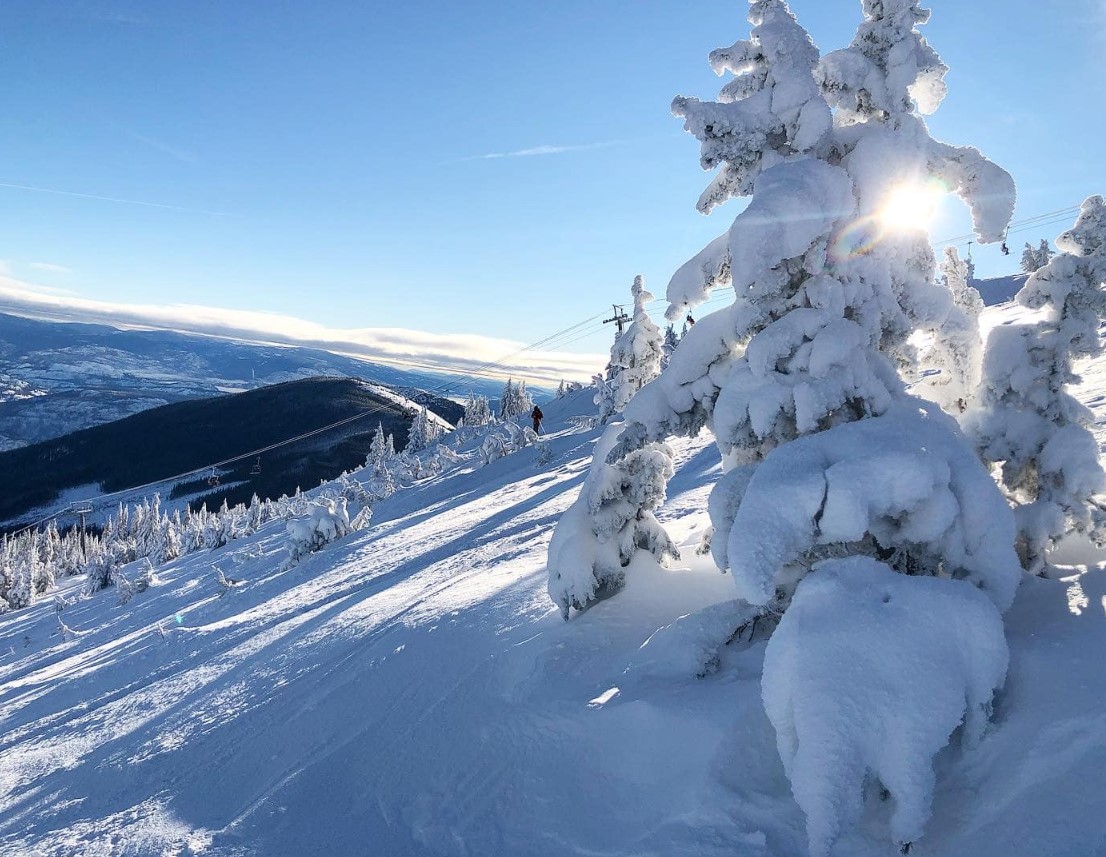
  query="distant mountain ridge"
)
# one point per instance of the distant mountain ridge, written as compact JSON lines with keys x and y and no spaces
{"x":171,"y":439}
{"x":60,"y":377}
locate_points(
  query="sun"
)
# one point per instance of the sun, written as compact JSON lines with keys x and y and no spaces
{"x":909,"y":208}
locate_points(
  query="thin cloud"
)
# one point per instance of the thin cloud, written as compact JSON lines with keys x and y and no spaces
{"x":536,"y":151}
{"x":50,"y":267}
{"x":446,"y":353}
{"x":172,"y":151}
{"x":144,"y":203}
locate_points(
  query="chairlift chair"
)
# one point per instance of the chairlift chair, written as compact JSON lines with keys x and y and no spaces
{"x":213,"y":479}
{"x":256,"y":469}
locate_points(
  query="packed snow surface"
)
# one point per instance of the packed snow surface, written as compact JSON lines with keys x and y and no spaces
{"x":410,"y":690}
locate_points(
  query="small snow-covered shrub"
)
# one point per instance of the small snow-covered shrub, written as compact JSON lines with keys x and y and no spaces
{"x":325,"y":522}
{"x":872,"y":671}
{"x":349,"y":488}
{"x":493,"y":447}
{"x":611,"y":519}
{"x":581,"y":423}
{"x":506,"y":439}
{"x":129,"y":587}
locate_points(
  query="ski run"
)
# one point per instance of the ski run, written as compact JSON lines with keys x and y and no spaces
{"x":410,"y":689}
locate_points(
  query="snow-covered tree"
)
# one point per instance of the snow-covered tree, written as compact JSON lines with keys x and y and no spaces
{"x":325,"y":521}
{"x":828,"y":294}
{"x":1027,"y":418}
{"x":378,"y":452}
{"x":635,"y":357}
{"x":515,"y":401}
{"x":524,"y":401}
{"x":671,"y":340}
{"x":952,"y":362}
{"x":1035,"y":258}
{"x":507,"y":400}
{"x":802,"y":381}
{"x":1029,"y":262}
{"x":477,"y":411}
{"x":18,"y":571}
{"x":423,"y":433}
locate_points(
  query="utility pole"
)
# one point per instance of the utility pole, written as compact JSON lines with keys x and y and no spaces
{"x":620,"y":318}
{"x":84,"y":510}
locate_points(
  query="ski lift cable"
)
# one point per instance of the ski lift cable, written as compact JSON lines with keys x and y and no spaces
{"x":100,"y":498}
{"x":39,"y":522}
{"x":1019,"y":225}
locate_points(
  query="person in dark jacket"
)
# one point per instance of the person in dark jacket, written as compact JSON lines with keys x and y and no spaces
{"x":537,"y":416}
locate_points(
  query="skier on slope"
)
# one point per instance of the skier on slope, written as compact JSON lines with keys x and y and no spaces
{"x":537,"y":416}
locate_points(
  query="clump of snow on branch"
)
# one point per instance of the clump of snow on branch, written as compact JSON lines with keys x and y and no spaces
{"x":1027,"y":419}
{"x":904,"y":485}
{"x":869,"y":673}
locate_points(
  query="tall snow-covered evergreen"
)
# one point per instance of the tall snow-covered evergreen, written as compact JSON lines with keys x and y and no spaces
{"x":802,"y":382}
{"x":635,"y":357}
{"x":515,"y":400}
{"x":378,"y":457}
{"x":827,"y":293}
{"x":424,"y":432}
{"x":671,"y":340}
{"x":1027,"y":419}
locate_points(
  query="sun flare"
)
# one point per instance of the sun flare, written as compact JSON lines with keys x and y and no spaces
{"x":909,"y":208}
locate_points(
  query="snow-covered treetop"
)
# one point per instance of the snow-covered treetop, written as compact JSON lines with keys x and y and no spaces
{"x":777,"y":110}
{"x":770,"y":110}
{"x":889,"y":69}
{"x":1085,"y":238}
{"x":1036,"y":258}
{"x":635,"y":356}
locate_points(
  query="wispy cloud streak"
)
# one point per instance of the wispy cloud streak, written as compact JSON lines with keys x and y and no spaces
{"x":50,"y":267}
{"x":57,"y":192}
{"x":172,"y":151}
{"x":537,"y":151}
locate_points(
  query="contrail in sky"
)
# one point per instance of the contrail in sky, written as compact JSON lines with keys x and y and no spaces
{"x":112,"y":199}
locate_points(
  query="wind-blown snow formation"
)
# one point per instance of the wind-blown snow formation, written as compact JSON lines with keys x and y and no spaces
{"x":857,"y":625}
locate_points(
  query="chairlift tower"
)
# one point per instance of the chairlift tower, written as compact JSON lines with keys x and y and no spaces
{"x":82,"y":511}
{"x":619,"y":318}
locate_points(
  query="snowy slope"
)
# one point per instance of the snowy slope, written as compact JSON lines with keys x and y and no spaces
{"x":410,"y":690}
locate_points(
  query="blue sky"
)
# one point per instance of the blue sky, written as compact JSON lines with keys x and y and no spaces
{"x":327,"y":160}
